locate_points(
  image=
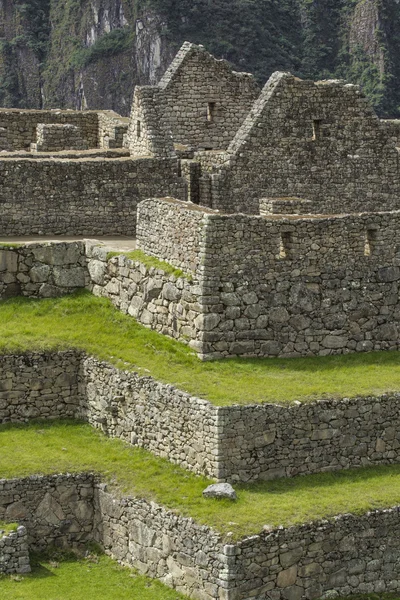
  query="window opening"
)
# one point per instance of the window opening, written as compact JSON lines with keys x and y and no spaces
{"x":139,"y":129}
{"x":285,"y":245}
{"x":317,"y":129}
{"x":370,"y":242}
{"x":210,"y":112}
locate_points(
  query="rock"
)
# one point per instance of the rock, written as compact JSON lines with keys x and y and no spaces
{"x":220,"y":490}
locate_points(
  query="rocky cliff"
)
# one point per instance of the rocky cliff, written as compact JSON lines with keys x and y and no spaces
{"x":91,"y":53}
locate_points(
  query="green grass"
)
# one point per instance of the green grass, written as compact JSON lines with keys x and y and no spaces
{"x":9,"y":245}
{"x":96,"y":578}
{"x":150,"y":261}
{"x":92,"y":324}
{"x":59,"y":447}
{"x":6,"y":528}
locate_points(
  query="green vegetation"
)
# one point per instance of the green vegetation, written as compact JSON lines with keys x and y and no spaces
{"x":9,"y":245}
{"x":6,"y":528}
{"x":114,"y":42}
{"x":92,"y":324}
{"x":61,"y":447}
{"x":150,"y":261}
{"x":307,"y":37}
{"x":95,"y":576}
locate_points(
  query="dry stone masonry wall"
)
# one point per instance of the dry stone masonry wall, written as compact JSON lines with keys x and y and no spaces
{"x":317,"y":141}
{"x":40,"y":270}
{"x":346,"y":555}
{"x":162,"y":544}
{"x":56,"y":510}
{"x":284,"y":286}
{"x":56,"y":138}
{"x":91,"y":196}
{"x":19,"y":127}
{"x":153,"y":415}
{"x":39,"y":386}
{"x":199,"y":102}
{"x":234,"y":443}
{"x":14,"y":554}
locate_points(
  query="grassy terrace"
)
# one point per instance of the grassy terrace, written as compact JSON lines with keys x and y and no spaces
{"x":96,"y":578}
{"x":40,"y":448}
{"x":83,"y":321}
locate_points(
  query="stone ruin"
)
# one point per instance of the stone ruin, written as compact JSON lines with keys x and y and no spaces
{"x":280,"y":207}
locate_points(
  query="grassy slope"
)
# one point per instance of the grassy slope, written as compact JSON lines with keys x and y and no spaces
{"x":96,"y":578}
{"x":90,"y":323}
{"x":60,"y":447}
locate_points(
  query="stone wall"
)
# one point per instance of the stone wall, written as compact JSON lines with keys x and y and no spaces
{"x":162,"y":544}
{"x":57,"y":510}
{"x":293,"y":286}
{"x":42,"y":270}
{"x":20,"y":126}
{"x":235,"y":443}
{"x":14,"y":555}
{"x":154,"y":298}
{"x":112,"y":129}
{"x":39,"y":386}
{"x":200,"y":101}
{"x":345,"y":555}
{"x":268,"y":441}
{"x":80,"y":197}
{"x":172,"y":230}
{"x":320,"y":141}
{"x":153,"y":415}
{"x":56,"y":138}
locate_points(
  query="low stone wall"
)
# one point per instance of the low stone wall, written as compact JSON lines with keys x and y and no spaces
{"x":154,"y":298}
{"x":39,"y":386}
{"x":19,"y":126}
{"x":14,"y":555}
{"x":57,"y":510}
{"x":84,"y":196}
{"x":161,"y":544}
{"x":153,"y":415}
{"x":42,"y":270}
{"x":172,"y":230}
{"x":346,"y":555}
{"x":56,"y":138}
{"x":266,"y":441}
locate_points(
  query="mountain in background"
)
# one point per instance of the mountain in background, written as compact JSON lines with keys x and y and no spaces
{"x":91,"y":53}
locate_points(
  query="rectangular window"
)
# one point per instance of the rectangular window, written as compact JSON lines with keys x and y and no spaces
{"x":317,"y":129}
{"x":285,"y":245}
{"x":210,"y":112}
{"x":139,"y":129}
{"x":370,"y":242}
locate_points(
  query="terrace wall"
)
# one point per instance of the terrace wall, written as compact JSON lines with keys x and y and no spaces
{"x":234,"y":443}
{"x":347,"y":554}
{"x":57,"y":510}
{"x":143,"y":412}
{"x":39,"y":385}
